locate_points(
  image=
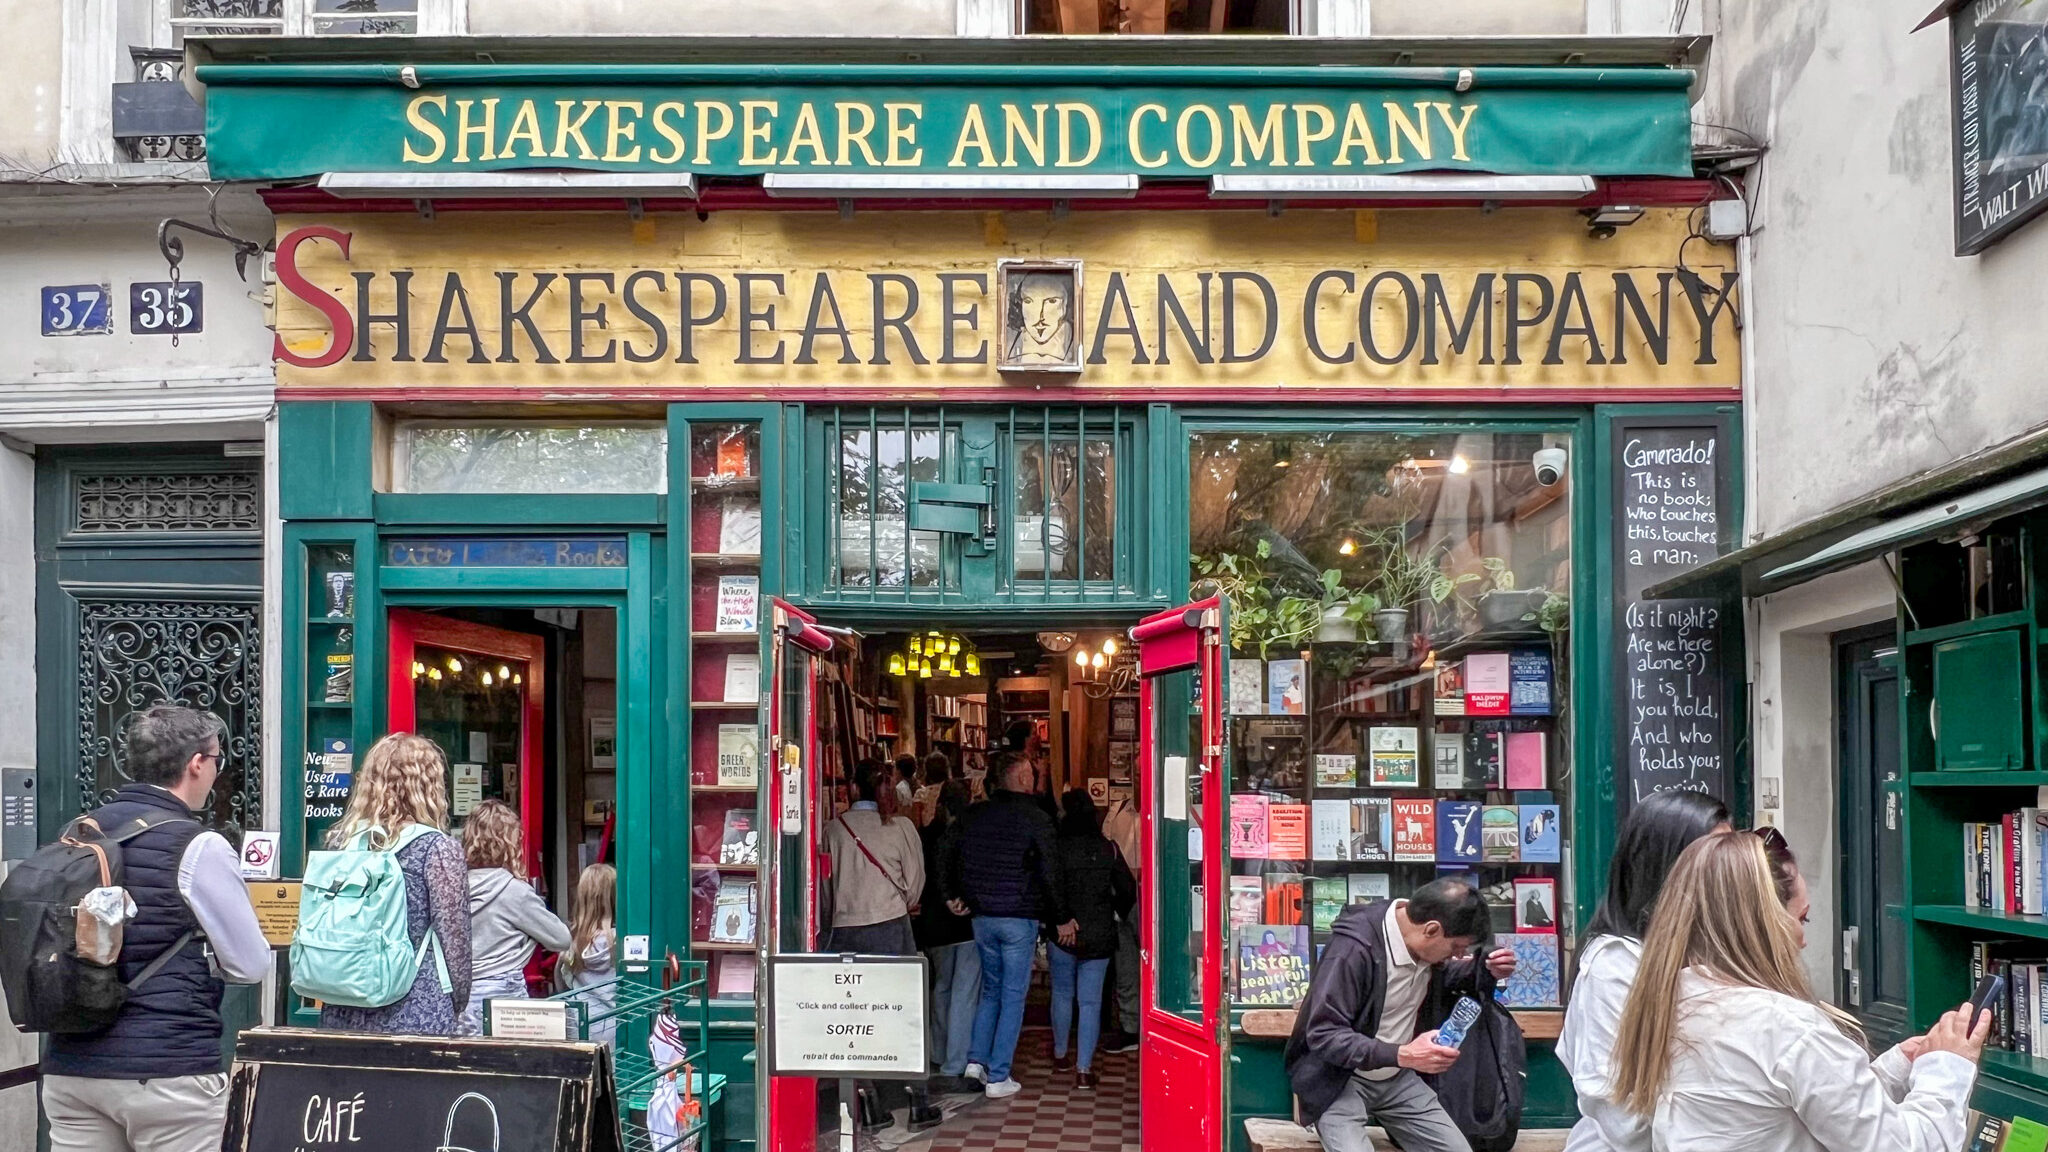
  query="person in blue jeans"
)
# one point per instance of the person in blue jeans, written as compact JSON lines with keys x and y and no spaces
{"x":1001,"y":868}
{"x":1098,"y":889}
{"x":948,"y":939}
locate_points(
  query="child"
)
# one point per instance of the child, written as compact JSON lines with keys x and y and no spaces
{"x":588,"y":962}
{"x":507,"y":918}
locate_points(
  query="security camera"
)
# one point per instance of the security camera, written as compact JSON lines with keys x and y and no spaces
{"x":1549,"y":464}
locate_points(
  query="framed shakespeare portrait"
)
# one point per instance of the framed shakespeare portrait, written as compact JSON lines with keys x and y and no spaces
{"x":1041,"y":307}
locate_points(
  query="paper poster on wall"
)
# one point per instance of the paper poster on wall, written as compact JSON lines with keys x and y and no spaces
{"x":742,"y":678}
{"x":469,"y":789}
{"x":604,"y":743}
{"x":739,"y":604}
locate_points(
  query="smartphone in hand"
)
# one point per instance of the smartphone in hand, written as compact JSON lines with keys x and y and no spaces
{"x":1464,"y":1014}
{"x":1986,"y":997}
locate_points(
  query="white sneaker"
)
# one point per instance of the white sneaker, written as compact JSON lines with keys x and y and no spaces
{"x":1002,"y":1088}
{"x":976,"y":1073}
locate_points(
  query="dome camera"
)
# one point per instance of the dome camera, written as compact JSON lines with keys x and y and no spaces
{"x":1549,"y":464}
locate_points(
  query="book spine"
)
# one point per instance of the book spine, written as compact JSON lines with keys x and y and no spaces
{"x":2022,"y":1008}
{"x":2040,"y":1009}
{"x":2010,"y":838}
{"x":1983,"y":865}
{"x":1970,"y":865}
{"x":2002,"y":1024}
{"x":2029,"y":861}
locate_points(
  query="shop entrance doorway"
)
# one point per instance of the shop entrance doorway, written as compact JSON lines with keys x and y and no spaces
{"x":522,"y":702}
{"x":949,"y":705}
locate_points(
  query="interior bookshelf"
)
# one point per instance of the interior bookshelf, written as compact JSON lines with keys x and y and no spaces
{"x":1974,"y":718}
{"x":727,"y":617}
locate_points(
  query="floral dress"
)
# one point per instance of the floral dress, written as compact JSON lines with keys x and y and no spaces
{"x":437,"y":896}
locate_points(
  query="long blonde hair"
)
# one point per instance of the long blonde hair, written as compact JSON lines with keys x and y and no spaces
{"x":596,"y":891}
{"x":1720,"y":913}
{"x":403,"y":780}
{"x":493,"y":838}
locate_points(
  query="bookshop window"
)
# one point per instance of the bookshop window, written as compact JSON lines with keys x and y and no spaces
{"x":877,"y":466}
{"x":1398,"y":685}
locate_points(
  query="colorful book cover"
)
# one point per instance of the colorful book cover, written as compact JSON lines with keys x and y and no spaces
{"x":1394,"y":753}
{"x":1287,"y":832}
{"x":1987,"y":1133}
{"x":740,"y":840}
{"x":1366,"y":887}
{"x":739,"y":755}
{"x":1414,"y":830}
{"x":2024,"y":1135}
{"x":1457,"y":831}
{"x":1542,"y":839}
{"x":1525,"y":754}
{"x":1529,"y":682}
{"x":1483,"y":759}
{"x":1372,"y":828}
{"x":1327,"y":897}
{"x":1330,"y":830}
{"x":1486,"y":684}
{"x":1336,"y":770}
{"x":1535,"y":904}
{"x":1447,"y":751}
{"x":1272,"y":964}
{"x":734,"y":912}
{"x":1247,"y":900}
{"x":1247,"y":688}
{"x":1248,"y":825}
{"x":1500,"y":834}
{"x":1450,"y":689}
{"x":1287,"y":687}
{"x":1535,"y":982}
{"x":1284,"y":895}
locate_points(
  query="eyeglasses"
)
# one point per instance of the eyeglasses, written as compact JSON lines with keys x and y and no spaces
{"x":216,"y":757}
{"x":1772,"y":838}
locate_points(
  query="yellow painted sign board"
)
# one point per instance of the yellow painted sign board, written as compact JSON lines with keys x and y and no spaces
{"x":1412,"y":304}
{"x":277,"y":909}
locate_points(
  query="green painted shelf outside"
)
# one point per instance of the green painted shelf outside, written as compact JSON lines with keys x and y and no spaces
{"x":1996,"y":623}
{"x":1987,"y":779}
{"x":2016,"y":1068}
{"x":1983,"y":919}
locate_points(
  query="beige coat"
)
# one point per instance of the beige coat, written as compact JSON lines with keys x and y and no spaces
{"x":861,"y":895}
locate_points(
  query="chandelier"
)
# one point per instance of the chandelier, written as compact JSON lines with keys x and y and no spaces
{"x":935,"y":653}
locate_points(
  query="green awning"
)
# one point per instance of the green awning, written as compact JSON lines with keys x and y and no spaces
{"x":282,"y":119}
{"x":1929,"y":523}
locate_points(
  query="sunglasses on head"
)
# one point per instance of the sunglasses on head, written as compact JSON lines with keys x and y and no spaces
{"x":1771,"y":837}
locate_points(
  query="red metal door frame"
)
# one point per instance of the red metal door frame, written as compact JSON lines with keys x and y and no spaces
{"x":792,"y":1101}
{"x":1181,"y":1093}
{"x":410,"y":629}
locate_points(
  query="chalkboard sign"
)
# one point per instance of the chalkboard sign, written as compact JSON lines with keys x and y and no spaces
{"x":300,"y":1090}
{"x":1672,"y":480}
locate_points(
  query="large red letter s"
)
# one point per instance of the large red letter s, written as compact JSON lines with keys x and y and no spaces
{"x":326,"y":303}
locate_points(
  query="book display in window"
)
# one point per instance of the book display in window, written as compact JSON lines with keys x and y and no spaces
{"x":726,"y":617}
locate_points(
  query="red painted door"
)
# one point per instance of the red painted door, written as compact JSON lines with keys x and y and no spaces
{"x":795,"y":862}
{"x":1182,"y":892}
{"x":449,"y":678}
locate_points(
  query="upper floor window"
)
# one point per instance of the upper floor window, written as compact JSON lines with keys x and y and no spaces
{"x":1158,"y":17}
{"x":307,"y":17}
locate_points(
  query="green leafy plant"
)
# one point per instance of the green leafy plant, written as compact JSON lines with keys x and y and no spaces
{"x":1555,"y":614}
{"x":1358,"y":603}
{"x":1403,"y":578}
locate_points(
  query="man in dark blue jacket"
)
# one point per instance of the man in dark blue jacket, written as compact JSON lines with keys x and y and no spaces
{"x":152,"y":1079}
{"x":1000,"y":868}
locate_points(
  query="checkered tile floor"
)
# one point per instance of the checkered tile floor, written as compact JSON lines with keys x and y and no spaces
{"x":1049,"y":1113}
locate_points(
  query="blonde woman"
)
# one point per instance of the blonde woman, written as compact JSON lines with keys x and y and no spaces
{"x":507,"y":918}
{"x":587,"y":963}
{"x":1722,"y":1044}
{"x":404,"y":780}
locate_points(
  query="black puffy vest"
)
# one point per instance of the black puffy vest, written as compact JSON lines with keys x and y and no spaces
{"x":171,"y":1025}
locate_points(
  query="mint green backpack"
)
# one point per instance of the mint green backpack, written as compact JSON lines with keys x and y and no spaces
{"x":352,"y":947}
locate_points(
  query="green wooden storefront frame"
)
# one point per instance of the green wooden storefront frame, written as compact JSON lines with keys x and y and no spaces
{"x":326,"y":453}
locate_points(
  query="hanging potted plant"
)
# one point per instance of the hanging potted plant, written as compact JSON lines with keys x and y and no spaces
{"x":1501,"y":604}
{"x":1403,"y":580}
{"x":1343,"y":609}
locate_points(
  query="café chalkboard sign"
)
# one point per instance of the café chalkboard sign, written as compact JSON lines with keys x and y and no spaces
{"x":1672,"y":481}
{"x":301,"y":1090}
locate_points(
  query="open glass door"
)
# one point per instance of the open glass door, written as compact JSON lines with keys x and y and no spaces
{"x":479,"y":692}
{"x":1181,"y":803}
{"x":789,"y":1107}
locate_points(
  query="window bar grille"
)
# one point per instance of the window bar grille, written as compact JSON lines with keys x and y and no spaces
{"x":1045,"y":501}
{"x":943,"y":477}
{"x":1078,"y":540}
{"x":835,"y":513}
{"x":874,"y":505}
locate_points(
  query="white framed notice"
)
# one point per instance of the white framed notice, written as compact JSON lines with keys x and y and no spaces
{"x":468,"y":791}
{"x":529,"y":1020}
{"x":739,"y":604}
{"x":743,"y":678}
{"x":604,"y":742}
{"x":848,"y":1016}
{"x":1173,"y":789}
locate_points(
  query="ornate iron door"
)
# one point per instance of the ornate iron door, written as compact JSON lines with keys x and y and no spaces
{"x":149,"y":590}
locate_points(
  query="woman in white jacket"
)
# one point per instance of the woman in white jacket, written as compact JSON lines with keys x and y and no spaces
{"x":1656,"y":831}
{"x":1723,"y":1046}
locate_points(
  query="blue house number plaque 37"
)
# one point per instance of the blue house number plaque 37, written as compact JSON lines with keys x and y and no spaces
{"x":77,"y":310}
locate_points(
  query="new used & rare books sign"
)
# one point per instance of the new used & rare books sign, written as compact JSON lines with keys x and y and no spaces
{"x":789,"y":304}
{"x":282,"y":121}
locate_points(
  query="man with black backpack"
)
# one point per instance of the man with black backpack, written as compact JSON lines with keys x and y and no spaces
{"x":150,"y":1078}
{"x":1355,"y":1057}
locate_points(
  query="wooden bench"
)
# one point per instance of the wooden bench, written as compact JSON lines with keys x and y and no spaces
{"x":1278,"y":1023}
{"x":1265,"y":1134}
